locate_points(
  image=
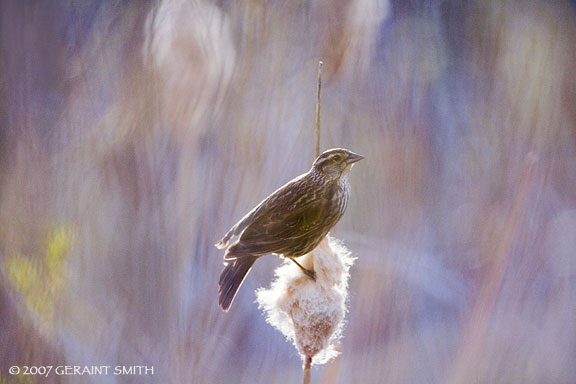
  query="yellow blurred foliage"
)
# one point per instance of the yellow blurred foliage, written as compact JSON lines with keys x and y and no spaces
{"x":20,"y":378}
{"x":40,"y":283}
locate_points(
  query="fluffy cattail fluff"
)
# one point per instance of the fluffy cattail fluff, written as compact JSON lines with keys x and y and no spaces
{"x":311,"y":313}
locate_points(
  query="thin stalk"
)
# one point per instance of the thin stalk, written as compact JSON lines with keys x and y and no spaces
{"x":307,"y":365}
{"x":318,"y":105}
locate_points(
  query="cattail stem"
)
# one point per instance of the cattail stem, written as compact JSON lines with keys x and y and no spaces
{"x":318,"y":108}
{"x":307,"y":365}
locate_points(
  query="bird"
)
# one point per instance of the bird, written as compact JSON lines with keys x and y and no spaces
{"x":290,"y":222}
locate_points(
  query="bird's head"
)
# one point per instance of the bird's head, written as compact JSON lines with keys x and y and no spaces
{"x":335,"y":162}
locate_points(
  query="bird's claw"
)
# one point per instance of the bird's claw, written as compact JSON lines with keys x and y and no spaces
{"x":310,"y":274}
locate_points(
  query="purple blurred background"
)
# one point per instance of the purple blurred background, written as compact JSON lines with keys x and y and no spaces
{"x":134,"y":134}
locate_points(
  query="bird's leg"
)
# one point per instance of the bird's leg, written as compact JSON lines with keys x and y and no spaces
{"x":307,"y":272}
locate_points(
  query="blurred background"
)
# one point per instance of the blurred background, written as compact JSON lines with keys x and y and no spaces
{"x":133,"y":135}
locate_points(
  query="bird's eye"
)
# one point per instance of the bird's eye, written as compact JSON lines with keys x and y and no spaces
{"x":336,"y":157}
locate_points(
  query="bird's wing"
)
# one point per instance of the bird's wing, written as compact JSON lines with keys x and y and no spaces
{"x":275,"y":199}
{"x":287,"y":220}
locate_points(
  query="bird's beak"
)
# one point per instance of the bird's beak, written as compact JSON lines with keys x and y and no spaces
{"x":353,"y":157}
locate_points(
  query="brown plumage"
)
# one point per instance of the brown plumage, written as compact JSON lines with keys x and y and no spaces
{"x":290,"y":222}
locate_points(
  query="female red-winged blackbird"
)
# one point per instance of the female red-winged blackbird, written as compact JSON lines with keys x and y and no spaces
{"x":290,"y":222}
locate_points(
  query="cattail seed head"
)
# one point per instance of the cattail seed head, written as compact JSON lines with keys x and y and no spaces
{"x":311,"y":313}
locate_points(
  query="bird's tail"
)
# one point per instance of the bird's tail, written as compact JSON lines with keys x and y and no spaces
{"x":231,"y":278}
